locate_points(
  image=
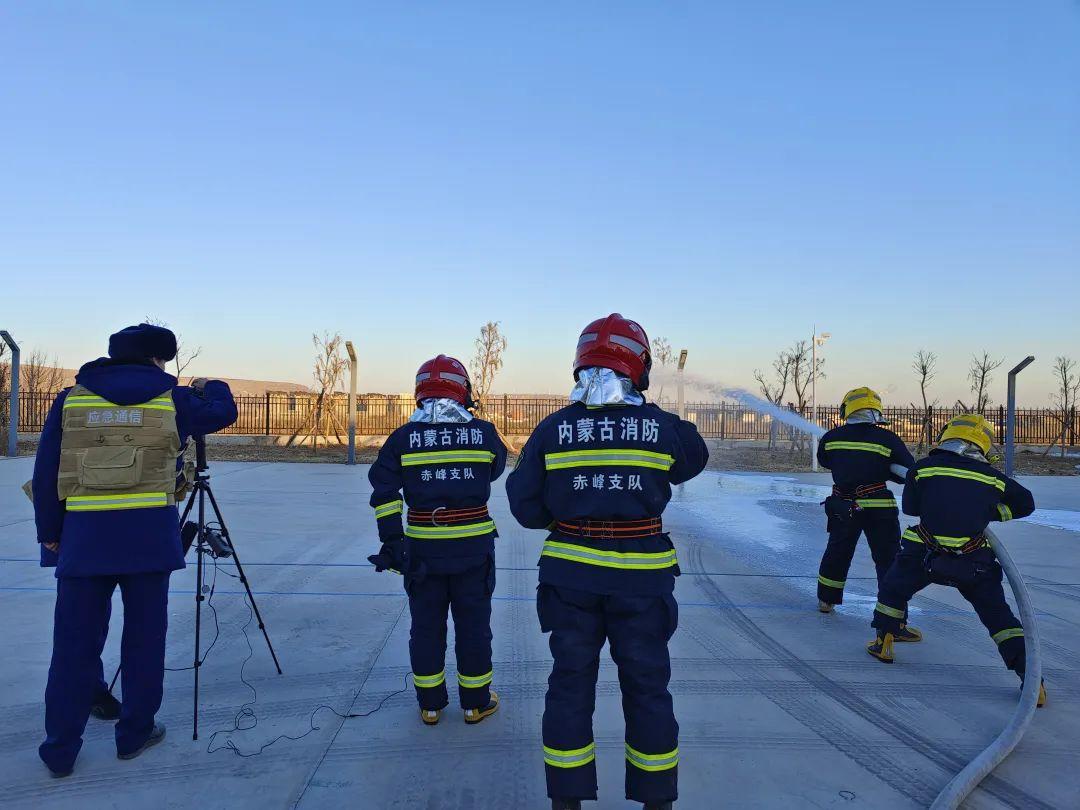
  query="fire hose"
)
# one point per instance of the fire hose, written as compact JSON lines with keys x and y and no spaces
{"x":979,"y":768}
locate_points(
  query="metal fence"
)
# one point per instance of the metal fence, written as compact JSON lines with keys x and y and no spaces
{"x":282,"y":414}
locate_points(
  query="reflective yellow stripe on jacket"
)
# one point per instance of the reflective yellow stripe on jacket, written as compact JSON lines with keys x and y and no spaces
{"x":615,"y":457}
{"x":88,"y":401}
{"x":389,"y":508}
{"x":635,"y":561}
{"x":103,"y":503}
{"x":953,"y":472}
{"x":447,"y":457}
{"x":868,"y":447}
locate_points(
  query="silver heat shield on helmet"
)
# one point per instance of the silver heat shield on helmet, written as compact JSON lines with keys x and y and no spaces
{"x":963,"y":448}
{"x":867,"y":416}
{"x":602,"y":386}
{"x":440,"y":410}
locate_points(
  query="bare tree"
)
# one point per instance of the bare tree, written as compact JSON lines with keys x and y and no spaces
{"x":39,"y":374}
{"x":662,"y":355}
{"x":328,"y":373}
{"x":184,"y":354}
{"x":980,"y":373}
{"x":925,"y":367}
{"x":802,"y":375}
{"x":1065,"y":399}
{"x":775,"y":389}
{"x":487,"y":361}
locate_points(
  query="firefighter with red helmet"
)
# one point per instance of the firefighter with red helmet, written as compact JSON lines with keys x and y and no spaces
{"x":597,"y":475}
{"x":441,"y":464}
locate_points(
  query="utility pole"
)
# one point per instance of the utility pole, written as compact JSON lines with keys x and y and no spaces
{"x":815,"y":341}
{"x":1010,"y":416}
{"x":352,"y":402}
{"x":13,"y":411}
{"x":681,"y":396}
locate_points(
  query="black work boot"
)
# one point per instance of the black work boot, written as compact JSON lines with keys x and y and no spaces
{"x":565,"y":804}
{"x":658,"y":806}
{"x":156,"y":736}
{"x":106,"y":707}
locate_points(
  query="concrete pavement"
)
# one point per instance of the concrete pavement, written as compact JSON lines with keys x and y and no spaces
{"x":779,"y":706}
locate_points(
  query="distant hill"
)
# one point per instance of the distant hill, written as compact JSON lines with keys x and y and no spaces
{"x":239,"y":386}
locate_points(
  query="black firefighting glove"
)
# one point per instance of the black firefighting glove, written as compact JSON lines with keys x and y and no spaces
{"x":391,"y":556}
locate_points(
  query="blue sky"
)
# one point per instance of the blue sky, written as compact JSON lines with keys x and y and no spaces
{"x":903,"y":175}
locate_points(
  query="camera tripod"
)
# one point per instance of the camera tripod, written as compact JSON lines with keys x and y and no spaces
{"x":218,"y":544}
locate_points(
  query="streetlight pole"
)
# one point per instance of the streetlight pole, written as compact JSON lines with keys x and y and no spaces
{"x":13,"y":410}
{"x":352,"y":401}
{"x":815,"y":341}
{"x":1010,"y":417}
{"x":681,"y":387}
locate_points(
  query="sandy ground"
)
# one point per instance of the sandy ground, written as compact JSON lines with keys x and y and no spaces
{"x":780,"y":706}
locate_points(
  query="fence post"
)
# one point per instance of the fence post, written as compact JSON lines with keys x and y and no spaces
{"x":13,"y":410}
{"x":266,"y":396}
{"x":1072,"y":428}
{"x":506,"y":414}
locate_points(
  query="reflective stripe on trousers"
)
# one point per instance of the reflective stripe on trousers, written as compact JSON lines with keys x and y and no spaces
{"x":570,"y":759}
{"x":474,"y":682}
{"x":652,"y":762}
{"x":429,"y":681}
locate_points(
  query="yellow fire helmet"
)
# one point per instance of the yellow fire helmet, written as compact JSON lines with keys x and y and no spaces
{"x":859,"y":399}
{"x":971,"y":427}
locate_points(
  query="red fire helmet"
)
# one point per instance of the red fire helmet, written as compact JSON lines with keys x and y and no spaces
{"x":617,"y":343}
{"x":441,"y":377}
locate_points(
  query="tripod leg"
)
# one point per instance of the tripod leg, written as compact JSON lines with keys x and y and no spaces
{"x":190,"y":503}
{"x":198,"y":611}
{"x":244,"y":579}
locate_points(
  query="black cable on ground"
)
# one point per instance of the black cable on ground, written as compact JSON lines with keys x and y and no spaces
{"x":246,"y":719}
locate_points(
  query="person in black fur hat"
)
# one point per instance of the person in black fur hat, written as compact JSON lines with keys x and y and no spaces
{"x":107,"y":479}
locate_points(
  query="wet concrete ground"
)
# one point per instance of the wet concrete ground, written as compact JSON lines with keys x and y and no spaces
{"x":780,"y":706}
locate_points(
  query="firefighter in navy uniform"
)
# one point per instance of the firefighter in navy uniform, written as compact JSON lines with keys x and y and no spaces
{"x":956,"y":493}
{"x":443,"y":460}
{"x":107,"y":478}
{"x":597,"y":474}
{"x":859,"y":454}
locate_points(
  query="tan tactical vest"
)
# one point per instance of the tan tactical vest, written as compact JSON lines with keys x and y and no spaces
{"x":118,"y":456}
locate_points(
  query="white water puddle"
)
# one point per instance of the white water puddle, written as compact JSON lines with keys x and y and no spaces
{"x":778,"y":487}
{"x":1066,"y":519}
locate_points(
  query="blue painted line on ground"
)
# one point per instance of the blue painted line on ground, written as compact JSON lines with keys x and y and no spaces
{"x":794,"y":608}
{"x":532,"y":568}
